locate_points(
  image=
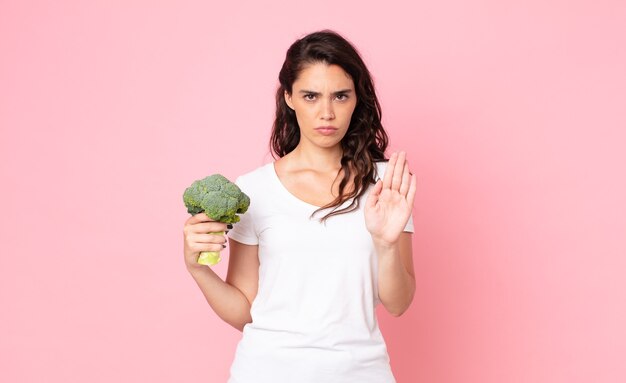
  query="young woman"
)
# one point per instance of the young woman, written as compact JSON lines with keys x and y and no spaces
{"x":327,"y":236}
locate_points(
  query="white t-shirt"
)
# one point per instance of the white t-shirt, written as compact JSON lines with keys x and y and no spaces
{"x":313,"y":319}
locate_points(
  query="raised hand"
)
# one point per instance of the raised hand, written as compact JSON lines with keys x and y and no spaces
{"x":389,"y":204}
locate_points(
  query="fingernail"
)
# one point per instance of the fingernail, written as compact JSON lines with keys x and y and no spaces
{"x":229,"y":226}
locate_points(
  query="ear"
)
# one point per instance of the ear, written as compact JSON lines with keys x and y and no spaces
{"x":288,"y":100}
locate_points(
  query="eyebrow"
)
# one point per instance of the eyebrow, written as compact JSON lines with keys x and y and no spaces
{"x":304,"y":91}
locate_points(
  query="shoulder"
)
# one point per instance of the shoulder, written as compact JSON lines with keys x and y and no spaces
{"x":380,"y":167}
{"x":254,"y":179}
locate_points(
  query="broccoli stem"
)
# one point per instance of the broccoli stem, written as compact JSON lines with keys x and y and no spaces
{"x":210,"y":258}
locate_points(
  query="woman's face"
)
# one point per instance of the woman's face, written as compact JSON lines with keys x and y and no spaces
{"x":323,"y":98}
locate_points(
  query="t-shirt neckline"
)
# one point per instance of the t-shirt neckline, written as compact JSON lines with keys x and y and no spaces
{"x":281,"y":186}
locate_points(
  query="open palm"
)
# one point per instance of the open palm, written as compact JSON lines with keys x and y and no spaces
{"x":389,"y":204}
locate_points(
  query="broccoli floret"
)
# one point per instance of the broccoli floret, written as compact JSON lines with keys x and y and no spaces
{"x":219,"y":199}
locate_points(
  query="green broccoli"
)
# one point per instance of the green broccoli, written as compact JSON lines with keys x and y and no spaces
{"x":219,"y":199}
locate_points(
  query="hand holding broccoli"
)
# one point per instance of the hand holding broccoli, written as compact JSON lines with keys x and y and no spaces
{"x":202,"y":234}
{"x":221,"y":200}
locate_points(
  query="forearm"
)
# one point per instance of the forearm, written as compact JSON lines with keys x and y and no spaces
{"x":228,"y":302}
{"x":396,"y":286}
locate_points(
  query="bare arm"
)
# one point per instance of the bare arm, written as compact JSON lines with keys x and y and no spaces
{"x":231,"y":299}
{"x":387,"y":211}
{"x":396,"y":277}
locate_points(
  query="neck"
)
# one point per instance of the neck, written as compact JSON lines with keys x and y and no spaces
{"x":322,"y":159}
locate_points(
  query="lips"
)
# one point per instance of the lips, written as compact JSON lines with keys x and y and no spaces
{"x":326,"y":130}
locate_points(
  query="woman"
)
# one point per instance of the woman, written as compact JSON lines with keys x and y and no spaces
{"x":325,"y":238}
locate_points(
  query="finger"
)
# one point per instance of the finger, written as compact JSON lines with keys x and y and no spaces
{"x":204,"y":228}
{"x":200,"y":247}
{"x":200,"y":217}
{"x":208,"y":238}
{"x":195,"y":243}
{"x":209,"y":227}
{"x":396,"y":179}
{"x":389,"y":171}
{"x":410,"y":197}
{"x":372,"y":198}
{"x":406,"y":179}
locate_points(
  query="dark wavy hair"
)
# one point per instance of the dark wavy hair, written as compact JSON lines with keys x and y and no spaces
{"x":365,"y":141}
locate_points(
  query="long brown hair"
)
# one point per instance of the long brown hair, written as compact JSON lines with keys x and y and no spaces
{"x":365,"y":141}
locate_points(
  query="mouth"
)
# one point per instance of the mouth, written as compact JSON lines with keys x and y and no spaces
{"x":326,"y":130}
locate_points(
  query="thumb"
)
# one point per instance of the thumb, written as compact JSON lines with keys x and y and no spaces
{"x":372,"y":198}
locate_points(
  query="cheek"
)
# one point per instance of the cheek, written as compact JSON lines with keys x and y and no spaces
{"x":304,"y":114}
{"x":348,"y":111}
{"x":302,"y":118}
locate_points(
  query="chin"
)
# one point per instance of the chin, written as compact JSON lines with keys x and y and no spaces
{"x":330,"y":144}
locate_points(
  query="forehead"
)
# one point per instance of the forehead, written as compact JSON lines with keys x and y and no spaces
{"x":318,"y":76}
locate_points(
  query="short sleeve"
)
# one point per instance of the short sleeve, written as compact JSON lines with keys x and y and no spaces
{"x":244,"y":230}
{"x":409,"y":225}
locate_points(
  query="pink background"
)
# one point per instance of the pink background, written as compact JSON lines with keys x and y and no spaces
{"x":513,"y":114}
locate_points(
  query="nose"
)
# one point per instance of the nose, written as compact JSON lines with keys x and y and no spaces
{"x":327,"y":110}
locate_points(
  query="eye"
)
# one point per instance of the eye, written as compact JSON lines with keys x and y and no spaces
{"x":342,"y":97}
{"x":309,"y":97}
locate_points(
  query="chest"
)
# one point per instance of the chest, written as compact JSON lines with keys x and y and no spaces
{"x":314,"y":188}
{"x":289,"y":234}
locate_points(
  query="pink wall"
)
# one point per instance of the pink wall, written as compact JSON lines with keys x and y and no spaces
{"x":513,"y":115}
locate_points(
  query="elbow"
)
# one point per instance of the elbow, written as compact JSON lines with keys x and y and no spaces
{"x":398,"y":303}
{"x":398,"y":313}
{"x":240,"y":325}
{"x":239,"y":321}
{"x":399,"y":310}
